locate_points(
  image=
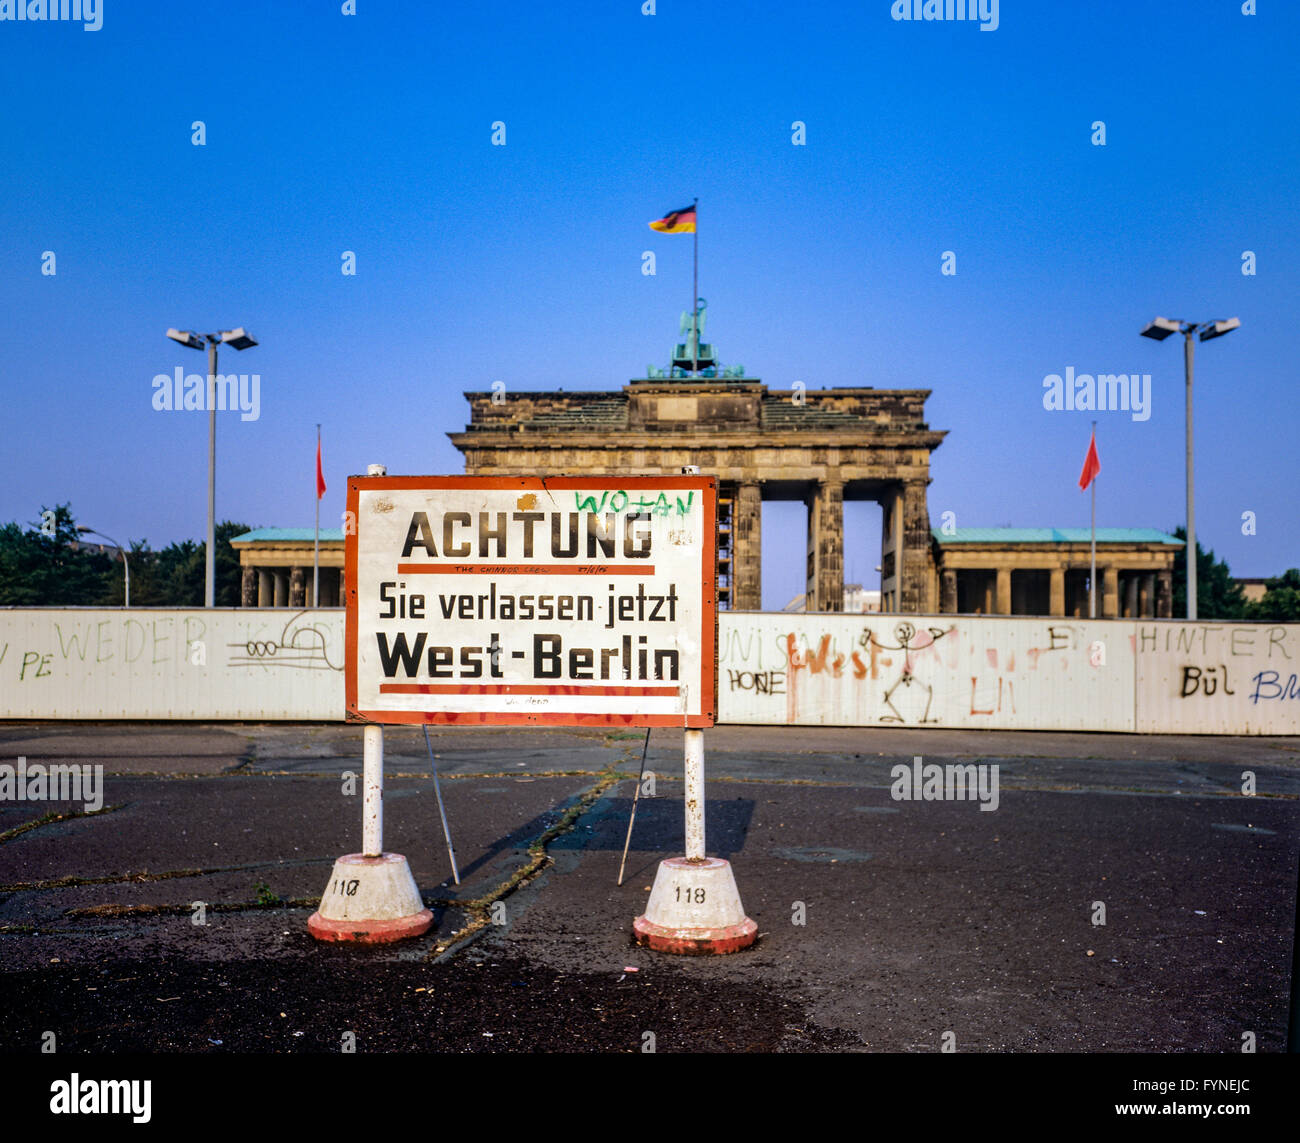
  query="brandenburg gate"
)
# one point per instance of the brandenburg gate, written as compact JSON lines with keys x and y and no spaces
{"x":819,"y":446}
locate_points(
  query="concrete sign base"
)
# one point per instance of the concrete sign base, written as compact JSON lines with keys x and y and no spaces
{"x":695,"y":909}
{"x":371,"y":900}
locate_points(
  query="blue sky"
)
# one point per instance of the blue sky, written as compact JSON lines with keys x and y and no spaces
{"x":522,"y":263}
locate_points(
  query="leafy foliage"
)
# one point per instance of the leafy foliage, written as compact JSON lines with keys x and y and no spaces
{"x":48,"y":564}
{"x":1217,"y":596}
{"x":1281,"y":598}
{"x":63,"y":569}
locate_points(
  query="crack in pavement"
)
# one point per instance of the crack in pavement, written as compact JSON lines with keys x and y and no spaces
{"x":208,"y":907}
{"x":144,"y":876}
{"x":539,"y":859}
{"x":54,"y":816}
{"x":235,"y":772}
{"x":478,"y":909}
{"x":1005,"y":784}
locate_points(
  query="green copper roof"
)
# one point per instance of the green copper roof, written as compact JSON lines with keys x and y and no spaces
{"x":1053,"y":536}
{"x":295,"y":535}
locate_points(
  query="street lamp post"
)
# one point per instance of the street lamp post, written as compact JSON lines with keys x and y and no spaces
{"x":1158,"y":330}
{"x":125,"y":563}
{"x":240,"y":339}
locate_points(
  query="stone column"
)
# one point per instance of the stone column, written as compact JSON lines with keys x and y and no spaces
{"x":888,"y":583}
{"x":265,"y":588}
{"x":1056,"y":598}
{"x":298,"y":586}
{"x":948,"y":591}
{"x":914,"y":557}
{"x":826,"y":547}
{"x":1149,"y":595}
{"x":248,"y":587}
{"x":1109,"y":593}
{"x":747,"y":548}
{"x":1003,"y":606}
{"x":891,"y":546}
{"x":1164,"y":595}
{"x":1130,"y":596}
{"x":281,"y":588}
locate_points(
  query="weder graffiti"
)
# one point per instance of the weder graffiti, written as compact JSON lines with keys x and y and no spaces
{"x":473,"y":600}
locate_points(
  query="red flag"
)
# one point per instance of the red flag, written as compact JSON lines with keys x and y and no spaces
{"x":320,"y":476}
{"x":1091,"y":465}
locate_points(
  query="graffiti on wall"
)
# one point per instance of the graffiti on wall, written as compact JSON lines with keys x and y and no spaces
{"x":303,"y":644}
{"x":915,"y":671}
{"x":1010,"y":673}
{"x":1219,"y":677}
{"x":147,"y":663}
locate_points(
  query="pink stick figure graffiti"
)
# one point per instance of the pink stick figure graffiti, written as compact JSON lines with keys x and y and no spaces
{"x":905,"y":633}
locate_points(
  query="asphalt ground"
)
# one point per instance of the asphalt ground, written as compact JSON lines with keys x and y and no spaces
{"x":884,"y":925}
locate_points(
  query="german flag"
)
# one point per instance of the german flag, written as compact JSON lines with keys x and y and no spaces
{"x":676,"y":222}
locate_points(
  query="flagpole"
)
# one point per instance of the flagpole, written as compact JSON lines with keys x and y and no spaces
{"x":1092,"y":575}
{"x":315,"y":557}
{"x":695,"y":291}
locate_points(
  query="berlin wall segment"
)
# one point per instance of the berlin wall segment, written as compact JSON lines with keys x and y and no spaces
{"x":1014,"y":673}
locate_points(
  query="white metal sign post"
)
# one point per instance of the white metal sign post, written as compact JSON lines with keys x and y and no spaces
{"x":555,"y":601}
{"x":371,"y":897}
{"x":694,"y":906}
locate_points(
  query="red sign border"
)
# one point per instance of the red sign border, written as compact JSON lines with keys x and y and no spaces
{"x":708,"y":485}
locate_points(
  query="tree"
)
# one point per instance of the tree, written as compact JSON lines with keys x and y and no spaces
{"x":49,"y":565}
{"x":176,"y":576}
{"x":228,"y":571}
{"x":183,"y":567}
{"x":154,"y":582}
{"x":1281,"y":598}
{"x":1217,"y":596}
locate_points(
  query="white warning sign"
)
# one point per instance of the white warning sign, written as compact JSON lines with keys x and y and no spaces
{"x":509,"y":600}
